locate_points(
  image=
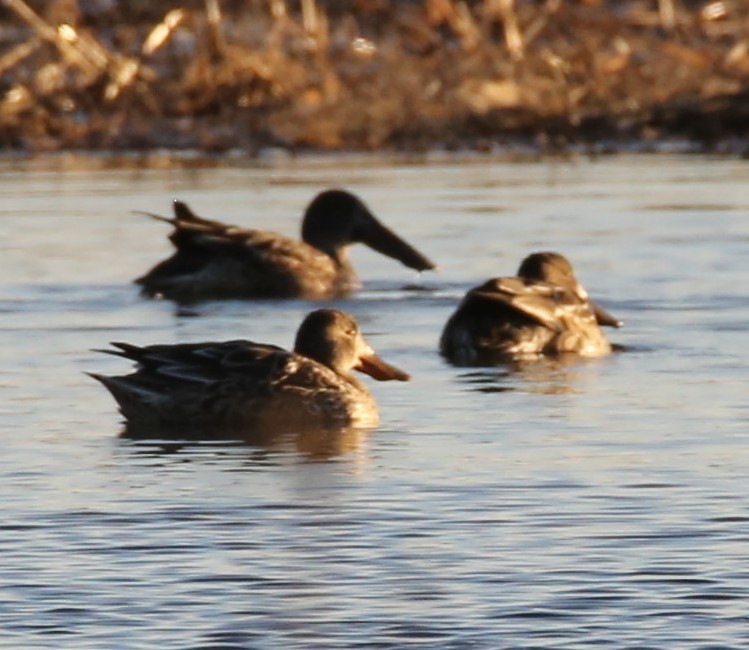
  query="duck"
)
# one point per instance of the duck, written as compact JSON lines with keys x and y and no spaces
{"x":543,"y":310}
{"x":252,"y":386}
{"x":214,"y":260}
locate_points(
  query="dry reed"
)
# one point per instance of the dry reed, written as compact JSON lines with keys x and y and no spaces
{"x":217,"y":74}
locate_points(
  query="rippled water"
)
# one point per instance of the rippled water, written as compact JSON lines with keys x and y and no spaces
{"x":603,"y":504}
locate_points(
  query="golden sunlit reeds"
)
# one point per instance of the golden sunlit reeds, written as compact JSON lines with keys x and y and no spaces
{"x":313,"y":73}
{"x":161,"y":33}
{"x":667,"y":14}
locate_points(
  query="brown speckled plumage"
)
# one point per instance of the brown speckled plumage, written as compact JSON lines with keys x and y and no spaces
{"x":543,"y":310}
{"x":260,"y":387}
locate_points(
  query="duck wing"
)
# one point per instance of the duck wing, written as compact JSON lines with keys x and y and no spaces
{"x":196,"y":381}
{"x":192,"y":233}
{"x":214,"y":259}
{"x":543,"y":303}
{"x":205,"y":363}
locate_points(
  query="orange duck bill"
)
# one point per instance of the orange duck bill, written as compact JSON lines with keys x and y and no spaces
{"x":380,"y":370}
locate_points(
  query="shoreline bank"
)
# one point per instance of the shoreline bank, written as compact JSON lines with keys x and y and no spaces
{"x":416,"y":76}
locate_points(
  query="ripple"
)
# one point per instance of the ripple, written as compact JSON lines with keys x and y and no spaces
{"x":593,"y":505}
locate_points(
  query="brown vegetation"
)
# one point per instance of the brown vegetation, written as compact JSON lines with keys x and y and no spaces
{"x":370,"y":74}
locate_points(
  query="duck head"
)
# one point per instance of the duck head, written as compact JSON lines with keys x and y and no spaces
{"x":336,"y":218}
{"x":332,"y":337}
{"x":556,"y":269}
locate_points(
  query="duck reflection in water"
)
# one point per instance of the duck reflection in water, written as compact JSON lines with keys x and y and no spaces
{"x":543,"y":311}
{"x":561,"y":374}
{"x":310,"y":444}
{"x":214,"y":260}
{"x":242,"y":386}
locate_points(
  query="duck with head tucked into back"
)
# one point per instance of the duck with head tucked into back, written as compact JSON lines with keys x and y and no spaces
{"x":544,"y":310}
{"x":241,"y":384}
{"x":214,"y":260}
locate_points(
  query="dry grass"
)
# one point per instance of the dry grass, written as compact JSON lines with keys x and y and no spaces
{"x":216,"y":75}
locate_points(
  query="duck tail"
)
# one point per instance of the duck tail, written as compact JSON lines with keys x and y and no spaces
{"x":183,"y":217}
{"x":134,"y":400}
{"x":158,"y":217}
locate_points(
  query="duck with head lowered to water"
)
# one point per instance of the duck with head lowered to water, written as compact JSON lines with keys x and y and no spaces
{"x":215,"y":260}
{"x":543,"y":310}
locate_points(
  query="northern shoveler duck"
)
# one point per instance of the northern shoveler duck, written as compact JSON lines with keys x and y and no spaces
{"x":542,"y":311}
{"x":215,"y":260}
{"x":241,"y":384}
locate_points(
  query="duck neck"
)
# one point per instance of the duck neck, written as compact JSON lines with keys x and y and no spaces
{"x":345,"y":270}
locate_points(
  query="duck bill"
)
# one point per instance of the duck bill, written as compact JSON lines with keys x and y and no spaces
{"x":380,"y":370}
{"x":385,"y":241}
{"x":603,"y":317}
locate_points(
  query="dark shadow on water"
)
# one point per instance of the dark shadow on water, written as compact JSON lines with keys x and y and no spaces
{"x":420,"y":288}
{"x":371,"y":290}
{"x":555,"y":375}
{"x":311,"y":444}
{"x":618,"y":348}
{"x":488,"y":380}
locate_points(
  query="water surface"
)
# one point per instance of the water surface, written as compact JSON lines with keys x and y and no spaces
{"x":599,"y":504}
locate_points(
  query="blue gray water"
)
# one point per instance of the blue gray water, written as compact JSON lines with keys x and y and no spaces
{"x":603,"y":504}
